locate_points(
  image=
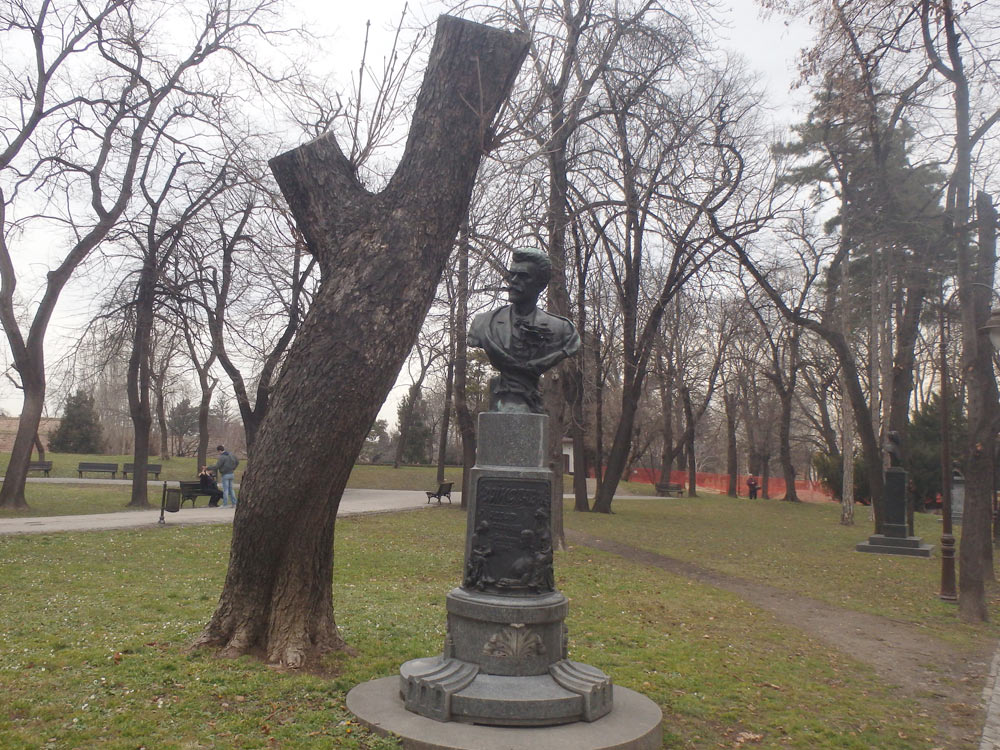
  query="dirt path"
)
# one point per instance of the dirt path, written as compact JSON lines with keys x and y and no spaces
{"x":945,"y":680}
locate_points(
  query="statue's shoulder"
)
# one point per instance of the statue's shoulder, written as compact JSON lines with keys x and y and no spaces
{"x":555,"y":322}
{"x":484,"y":319}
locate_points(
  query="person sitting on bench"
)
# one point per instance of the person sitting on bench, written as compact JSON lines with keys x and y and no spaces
{"x":207,"y":480}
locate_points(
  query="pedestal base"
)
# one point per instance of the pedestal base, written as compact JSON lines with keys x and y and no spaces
{"x":634,"y":724}
{"x":452,"y":690}
{"x":912,"y":546}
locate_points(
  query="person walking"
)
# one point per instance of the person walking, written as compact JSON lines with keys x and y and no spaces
{"x":752,"y":487}
{"x":225,"y":469}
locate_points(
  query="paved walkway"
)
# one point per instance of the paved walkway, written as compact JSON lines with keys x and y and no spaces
{"x":353,"y":502}
{"x":991,"y":699}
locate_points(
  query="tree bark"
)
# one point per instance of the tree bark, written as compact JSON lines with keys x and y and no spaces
{"x":446,"y":414}
{"x":692,"y":464}
{"x":206,"y":385}
{"x":975,"y":282}
{"x":732,"y":464}
{"x":785,"y":445}
{"x":381,"y":257}
{"x":39,"y":447}
{"x":33,"y":388}
{"x":466,"y":424}
{"x":666,"y":378}
{"x":138,"y":379}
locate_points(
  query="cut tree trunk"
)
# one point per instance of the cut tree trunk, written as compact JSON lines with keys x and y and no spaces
{"x":381,"y":257}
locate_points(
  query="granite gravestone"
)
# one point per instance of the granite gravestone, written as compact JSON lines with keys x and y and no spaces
{"x":505,"y":659}
{"x":895,"y":539}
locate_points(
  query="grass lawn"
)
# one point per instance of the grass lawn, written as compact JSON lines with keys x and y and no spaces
{"x":94,"y":628}
{"x":797,"y":546}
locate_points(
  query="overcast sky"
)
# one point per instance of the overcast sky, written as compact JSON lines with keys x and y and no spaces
{"x":770,"y":47}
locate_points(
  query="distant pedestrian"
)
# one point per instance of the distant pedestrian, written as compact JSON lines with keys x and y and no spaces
{"x":752,"y":487}
{"x":225,"y":467}
{"x":207,"y":483}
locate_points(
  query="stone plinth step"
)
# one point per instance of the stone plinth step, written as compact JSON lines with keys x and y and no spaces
{"x":633,"y":724}
{"x":453,"y":690}
{"x":912,"y":546}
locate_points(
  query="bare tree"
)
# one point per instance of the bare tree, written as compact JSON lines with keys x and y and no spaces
{"x":80,"y":150}
{"x":680,"y":170}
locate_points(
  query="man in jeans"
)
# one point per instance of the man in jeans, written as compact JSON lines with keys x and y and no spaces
{"x":225,"y":467}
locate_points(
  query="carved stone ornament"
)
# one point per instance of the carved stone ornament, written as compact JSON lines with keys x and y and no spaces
{"x":514,"y":642}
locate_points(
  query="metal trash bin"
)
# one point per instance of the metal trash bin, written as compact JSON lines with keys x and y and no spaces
{"x":170,"y":501}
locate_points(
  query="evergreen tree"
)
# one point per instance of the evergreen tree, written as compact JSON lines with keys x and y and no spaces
{"x":924,"y":451}
{"x":418,"y":433}
{"x":182,"y":422}
{"x":79,"y":431}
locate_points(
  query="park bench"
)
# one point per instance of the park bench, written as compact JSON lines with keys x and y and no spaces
{"x":191,"y":491}
{"x":83,"y":466}
{"x":670,"y":489}
{"x":153,"y":469}
{"x":443,"y":490}
{"x":45,"y":466}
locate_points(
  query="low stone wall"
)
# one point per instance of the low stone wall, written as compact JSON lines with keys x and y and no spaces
{"x":8,"y":429}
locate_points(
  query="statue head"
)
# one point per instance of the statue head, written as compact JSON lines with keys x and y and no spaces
{"x":529,"y":274}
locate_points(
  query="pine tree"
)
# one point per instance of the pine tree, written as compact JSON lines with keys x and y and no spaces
{"x":79,"y":431}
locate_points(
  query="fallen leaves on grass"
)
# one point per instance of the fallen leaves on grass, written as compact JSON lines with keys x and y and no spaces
{"x":744,"y":737}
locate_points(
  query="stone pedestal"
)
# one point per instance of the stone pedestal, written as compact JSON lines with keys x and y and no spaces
{"x":896,"y":539}
{"x":505,"y":656}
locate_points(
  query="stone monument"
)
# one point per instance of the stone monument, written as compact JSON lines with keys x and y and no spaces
{"x":895,"y":539}
{"x":957,"y":495}
{"x":505,"y":659}
{"x":505,"y":656}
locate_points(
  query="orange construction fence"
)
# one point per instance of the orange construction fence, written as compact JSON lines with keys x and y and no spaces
{"x":806,"y":490}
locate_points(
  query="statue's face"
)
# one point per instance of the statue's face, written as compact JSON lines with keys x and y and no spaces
{"x":524,"y":282}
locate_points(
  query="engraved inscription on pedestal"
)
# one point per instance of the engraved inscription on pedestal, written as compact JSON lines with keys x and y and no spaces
{"x":511,"y":548}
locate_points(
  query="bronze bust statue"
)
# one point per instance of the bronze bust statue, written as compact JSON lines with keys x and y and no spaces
{"x":520,"y":339}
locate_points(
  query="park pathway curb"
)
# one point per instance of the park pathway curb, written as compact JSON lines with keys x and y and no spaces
{"x":991,"y":699}
{"x":354,"y":502}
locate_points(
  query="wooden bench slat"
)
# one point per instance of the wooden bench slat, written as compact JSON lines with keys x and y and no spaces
{"x":153,"y":469}
{"x":94,"y":466}
{"x":45,"y":466}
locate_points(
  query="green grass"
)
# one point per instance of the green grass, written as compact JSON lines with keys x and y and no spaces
{"x":800,"y":547}
{"x":76,"y":499}
{"x":94,"y":628}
